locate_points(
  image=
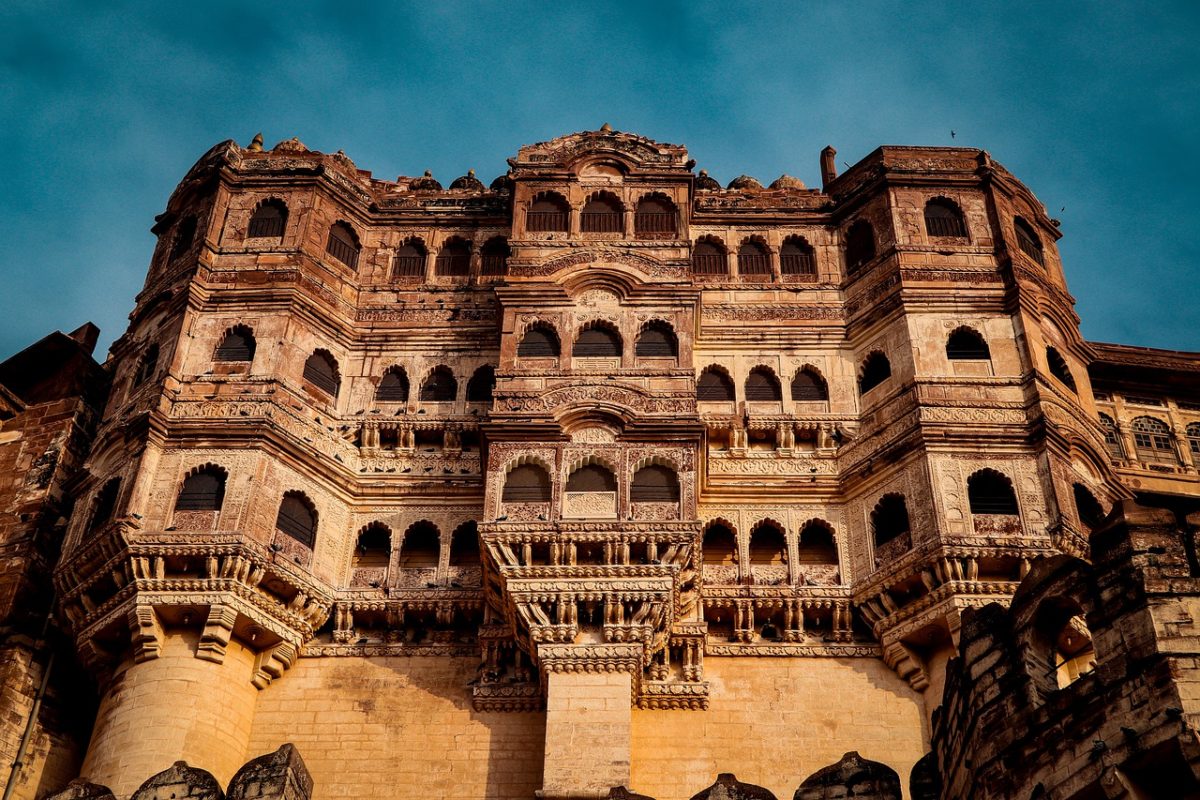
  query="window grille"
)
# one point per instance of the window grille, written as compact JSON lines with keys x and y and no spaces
{"x":796,"y":258}
{"x":753,"y":259}
{"x":409,"y":262}
{"x":654,"y":484}
{"x":268,"y":221}
{"x":393,"y":388}
{"x":321,"y":371}
{"x":943,"y":218}
{"x":657,"y":340}
{"x":708,"y":259}
{"x":762,"y":386}
{"x":655,"y":218}
{"x":527,"y":483}
{"x":1028,"y":241}
{"x":440,"y":386}
{"x":538,"y":342}
{"x":204,"y":491}
{"x":237,"y":345}
{"x":714,"y":386}
{"x":808,"y":386}
{"x":343,"y":245}
{"x":597,"y":342}
{"x":297,"y":519}
{"x":547,"y":215}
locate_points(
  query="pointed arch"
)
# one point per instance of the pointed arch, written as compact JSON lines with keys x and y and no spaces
{"x":321,"y":370}
{"x":944,"y":219}
{"x":657,"y":339}
{"x":714,"y":385}
{"x":342,"y":243}
{"x":297,"y":518}
{"x":817,"y":544}
{"x":889,"y":519}
{"x":720,"y":542}
{"x":203,"y":489}
{"x":269,"y":220}
{"x":440,"y":386}
{"x":809,"y":386}
{"x":237,"y":345}
{"x":875,"y":370}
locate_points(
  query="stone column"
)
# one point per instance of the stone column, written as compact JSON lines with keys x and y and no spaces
{"x":173,"y":707}
{"x":588,"y":734}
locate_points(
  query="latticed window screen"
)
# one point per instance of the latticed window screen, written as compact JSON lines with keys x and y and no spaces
{"x":965,"y":344}
{"x":714,"y":386}
{"x":654,"y":484}
{"x":539,"y":342}
{"x":943,"y":218}
{"x":321,"y":371}
{"x":989,"y":492}
{"x":657,"y":340}
{"x":591,"y":478}
{"x":297,"y":519}
{"x":808,"y":386}
{"x":1151,"y":434}
{"x":1193,"y":437}
{"x":204,"y":491}
{"x":1111,"y":438}
{"x":440,"y":386}
{"x":393,"y":388}
{"x":238,"y":345}
{"x":527,"y":483}
{"x":597,"y":342}
{"x":762,"y":386}
{"x":268,"y":222}
{"x":342,"y":245}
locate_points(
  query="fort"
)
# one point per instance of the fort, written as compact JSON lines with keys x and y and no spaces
{"x":601,"y":479}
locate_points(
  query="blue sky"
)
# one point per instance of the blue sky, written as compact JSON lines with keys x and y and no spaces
{"x":104,"y":106}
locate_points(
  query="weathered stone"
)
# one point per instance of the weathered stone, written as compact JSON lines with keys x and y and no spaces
{"x":853,"y":776}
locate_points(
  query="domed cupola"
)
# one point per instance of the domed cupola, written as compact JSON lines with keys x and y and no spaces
{"x":468,"y":183}
{"x":502,"y":184}
{"x":787,"y":182}
{"x":706,"y":183}
{"x":744,"y":183}
{"x":425,"y":183}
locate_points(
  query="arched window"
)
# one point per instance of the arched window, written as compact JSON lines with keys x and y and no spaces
{"x":1193,"y":437}
{"x":762,"y":386}
{"x":654,"y":484}
{"x":1152,"y":438}
{"x":720,"y":545}
{"x":528,"y":483}
{"x":185,"y":234}
{"x":268,"y":221}
{"x":236,"y":345}
{"x":817,"y":545}
{"x":454,"y":259}
{"x":944,"y":218}
{"x":1111,"y":438}
{"x":1059,"y":369}
{"x":754,"y":259}
{"x":494,"y":256}
{"x":147,"y":365}
{"x":875,"y":370}
{"x":374,"y":546}
{"x":657,"y":340}
{"x":767,"y":544}
{"x":967,"y":344}
{"x":548,"y":213}
{"x":1065,"y":643}
{"x":479,"y":388}
{"x":393,"y":388}
{"x":655,"y":218}
{"x":422,"y":546}
{"x":860,"y":245}
{"x":321,"y":370}
{"x":796,"y":257}
{"x":602,"y":213}
{"x":714,"y":386}
{"x":409,"y":261}
{"x":889,"y":519}
{"x":440,"y":386}
{"x":708,"y":257}
{"x":464,"y":545}
{"x":808,"y":386}
{"x":204,"y":490}
{"x":1028,"y":241}
{"x":540,"y":341}
{"x":1091,"y":513}
{"x":342,"y":244}
{"x":106,"y":504}
{"x":597,"y":341}
{"x":991,"y":492}
{"x":297,"y":518}
{"x":591,"y":478}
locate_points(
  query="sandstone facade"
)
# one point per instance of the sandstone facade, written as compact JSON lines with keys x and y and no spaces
{"x":603,"y":475}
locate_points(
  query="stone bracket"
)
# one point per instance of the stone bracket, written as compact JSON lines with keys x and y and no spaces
{"x":146,"y":633}
{"x":273,"y":662}
{"x":218,"y":629}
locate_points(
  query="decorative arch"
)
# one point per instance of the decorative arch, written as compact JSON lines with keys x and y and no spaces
{"x":1059,"y":369}
{"x":808,"y":385}
{"x":875,"y":370}
{"x":762,"y":385}
{"x":464,"y":545}
{"x":598,"y":339}
{"x":269,"y":219}
{"x":481,"y":385}
{"x":1087,"y":507}
{"x":719,"y":542}
{"x":657,"y":339}
{"x":655,"y":217}
{"x":1152,"y":439}
{"x":966,"y":343}
{"x":321,"y":370}
{"x":592,"y":476}
{"x":768,"y":543}
{"x":797,"y":258}
{"x":709,"y":257}
{"x":1028,"y":241}
{"x":203,"y":489}
{"x":714,"y":385}
{"x":297,"y":518}
{"x":409,"y":260}
{"x":527,"y":482}
{"x":373,"y":546}
{"x":603,"y":212}
{"x":548,"y":212}
{"x":817,"y":543}
{"x":440,"y":386}
{"x":454,"y":259}
{"x":889,"y":519}
{"x":991,"y":492}
{"x":944,"y":219}
{"x":754,"y":257}
{"x":104,"y":507}
{"x":237,"y":345}
{"x":393,"y":387}
{"x":421,"y":546}
{"x":1064,"y":642}
{"x":343,"y":244}
{"x":654,"y":483}
{"x":540,"y":340}
{"x":494,"y":256}
{"x":860,"y":245}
